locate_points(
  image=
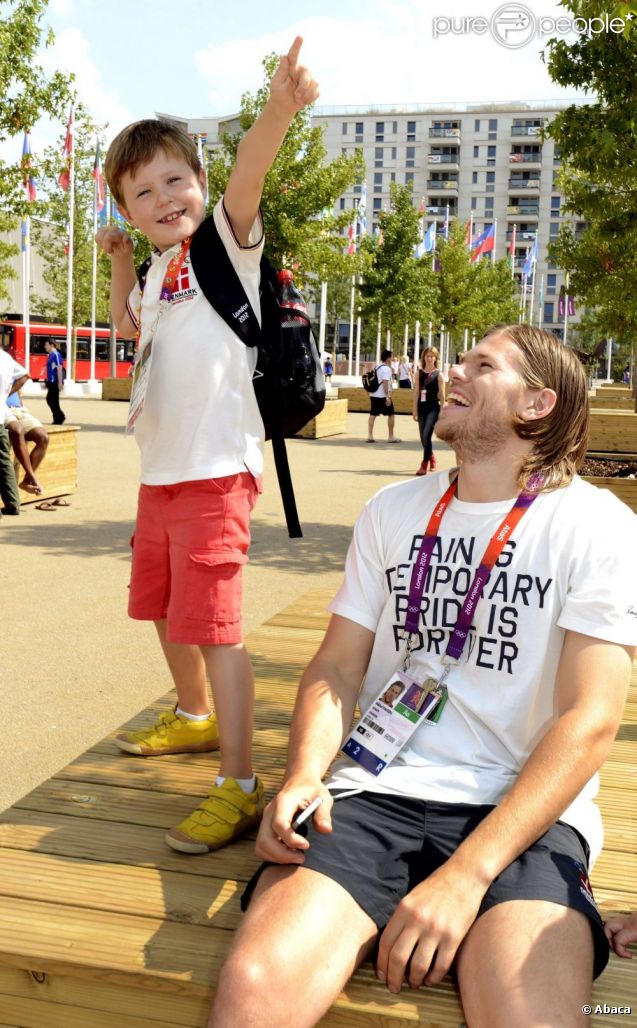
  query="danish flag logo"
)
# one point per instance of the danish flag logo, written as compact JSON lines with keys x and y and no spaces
{"x":183,"y":281}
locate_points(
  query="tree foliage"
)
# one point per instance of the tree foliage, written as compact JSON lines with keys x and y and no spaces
{"x":598,"y":147}
{"x":25,"y":95}
{"x":299,"y":193}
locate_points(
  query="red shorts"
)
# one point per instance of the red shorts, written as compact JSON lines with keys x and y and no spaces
{"x":191,"y":541}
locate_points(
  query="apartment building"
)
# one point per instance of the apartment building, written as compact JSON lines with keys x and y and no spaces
{"x":485,"y":160}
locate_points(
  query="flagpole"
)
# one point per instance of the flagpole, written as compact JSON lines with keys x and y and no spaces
{"x":513,"y":253}
{"x":358,"y":332}
{"x":322,"y":318}
{"x":565,"y":308}
{"x":378,"y":331}
{"x":69,"y":296}
{"x":466,"y":339}
{"x":26,"y":316}
{"x":416,"y":345}
{"x":495,"y":234}
{"x":532,"y":295}
{"x":350,"y":352}
{"x":540,"y":306}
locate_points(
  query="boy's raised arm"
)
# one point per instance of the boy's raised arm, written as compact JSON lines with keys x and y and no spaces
{"x":120,"y":247}
{"x":291,"y":89}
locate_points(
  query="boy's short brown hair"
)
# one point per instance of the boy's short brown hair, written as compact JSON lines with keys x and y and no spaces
{"x":138,"y":143}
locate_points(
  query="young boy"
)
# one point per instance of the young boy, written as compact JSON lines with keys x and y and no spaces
{"x":201,"y":462}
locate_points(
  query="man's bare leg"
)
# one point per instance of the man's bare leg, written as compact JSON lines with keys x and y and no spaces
{"x":527,"y":963}
{"x":370,"y":426}
{"x":29,"y":483}
{"x":38,"y":452}
{"x":300,"y":941}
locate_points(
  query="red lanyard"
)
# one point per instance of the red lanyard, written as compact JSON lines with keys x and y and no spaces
{"x":489,"y":558}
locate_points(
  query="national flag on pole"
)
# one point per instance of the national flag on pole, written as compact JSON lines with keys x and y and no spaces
{"x":64,"y":178}
{"x":100,"y":197}
{"x":362,"y":209}
{"x":445,"y":230}
{"x":378,"y":236}
{"x":28,"y":181}
{"x":351,"y":235}
{"x":512,"y":246}
{"x":421,"y":208}
{"x":531,"y":259}
{"x":24,"y":235}
{"x":429,"y":241}
{"x":485,"y":243}
{"x":469,"y":232}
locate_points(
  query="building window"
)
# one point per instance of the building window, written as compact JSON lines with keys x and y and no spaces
{"x":555,"y":206}
{"x":393,"y":153}
{"x":474,"y":203}
{"x":548,"y":313}
{"x":378,"y":181}
{"x":488,"y":206}
{"x":493,"y":124}
{"x":344,"y":128}
{"x":392,"y":176}
{"x":341,"y":203}
{"x":476,"y":125}
{"x":491,"y":151}
{"x":551,"y":284}
{"x":358,"y":138}
{"x":394,"y":127}
{"x":380,"y":131}
{"x":411,"y":131}
{"x":476,"y":151}
{"x":410,"y":154}
{"x":409,"y":177}
{"x":554,"y":228}
{"x":490,"y":175}
{"x":378,"y":157}
{"x":377,"y":203}
{"x":474,"y":178}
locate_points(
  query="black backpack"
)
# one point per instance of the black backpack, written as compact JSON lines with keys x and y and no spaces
{"x":288,"y":380}
{"x":370,"y":380}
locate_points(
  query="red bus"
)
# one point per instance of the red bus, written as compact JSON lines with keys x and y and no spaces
{"x":13,"y":338}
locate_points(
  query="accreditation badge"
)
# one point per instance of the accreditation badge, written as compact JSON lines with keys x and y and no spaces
{"x":386,"y":726}
{"x":140,"y":377}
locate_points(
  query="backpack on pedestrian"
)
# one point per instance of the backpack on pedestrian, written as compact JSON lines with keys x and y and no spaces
{"x":370,"y":380}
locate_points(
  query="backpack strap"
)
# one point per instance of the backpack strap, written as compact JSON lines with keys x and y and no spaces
{"x":224,"y":291}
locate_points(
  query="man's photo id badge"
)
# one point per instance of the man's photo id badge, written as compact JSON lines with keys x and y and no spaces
{"x":392,"y":719}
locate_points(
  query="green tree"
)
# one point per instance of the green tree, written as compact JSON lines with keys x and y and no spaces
{"x":598,"y":148}
{"x":51,"y":234}
{"x":395,"y":283}
{"x":25,"y":95}
{"x":299,"y":193}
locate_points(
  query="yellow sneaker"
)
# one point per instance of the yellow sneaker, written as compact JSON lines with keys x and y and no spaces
{"x":224,"y":815}
{"x":171,"y":733}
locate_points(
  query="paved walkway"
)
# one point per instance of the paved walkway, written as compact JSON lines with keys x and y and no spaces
{"x":73,"y":666}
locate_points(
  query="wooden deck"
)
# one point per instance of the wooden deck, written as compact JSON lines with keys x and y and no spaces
{"x":103,"y":926}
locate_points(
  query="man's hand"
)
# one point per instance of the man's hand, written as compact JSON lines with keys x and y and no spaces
{"x":292,"y":87}
{"x":426,"y":929}
{"x":277,"y":841}
{"x":114,"y":241}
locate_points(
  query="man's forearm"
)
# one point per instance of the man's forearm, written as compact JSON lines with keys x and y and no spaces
{"x":323,"y":713}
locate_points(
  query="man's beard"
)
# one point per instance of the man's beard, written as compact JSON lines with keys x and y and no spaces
{"x":474,"y":445}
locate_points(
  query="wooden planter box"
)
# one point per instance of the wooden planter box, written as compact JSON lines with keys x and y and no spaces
{"x":331,"y":421}
{"x":116,"y":388}
{"x":358,"y":399}
{"x":58,"y":472}
{"x":613,"y":432}
{"x":602,"y":401}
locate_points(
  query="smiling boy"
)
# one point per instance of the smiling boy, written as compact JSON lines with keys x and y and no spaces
{"x":201,"y":460}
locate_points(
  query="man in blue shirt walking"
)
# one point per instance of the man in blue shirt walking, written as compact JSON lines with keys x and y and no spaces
{"x":54,"y":381}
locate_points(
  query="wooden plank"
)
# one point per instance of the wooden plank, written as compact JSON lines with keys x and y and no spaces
{"x":613,"y":432}
{"x":32,"y":1013}
{"x":331,"y":421}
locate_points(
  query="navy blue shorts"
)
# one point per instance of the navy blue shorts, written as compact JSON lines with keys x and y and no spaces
{"x":379,"y":407}
{"x":381,"y":847}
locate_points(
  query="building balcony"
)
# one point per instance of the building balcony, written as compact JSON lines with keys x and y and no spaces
{"x":437,"y":132}
{"x":439,"y":211}
{"x":451,"y":161}
{"x":522,"y":235}
{"x":519,"y":213}
{"x":526,"y":130}
{"x":529,"y":160}
{"x":442,"y":185}
{"x":529,"y":185}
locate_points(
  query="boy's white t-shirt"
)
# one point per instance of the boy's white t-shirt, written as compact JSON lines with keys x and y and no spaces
{"x":570,"y":565}
{"x":201,"y":418}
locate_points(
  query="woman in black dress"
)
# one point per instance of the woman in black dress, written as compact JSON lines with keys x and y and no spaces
{"x":429,"y":395}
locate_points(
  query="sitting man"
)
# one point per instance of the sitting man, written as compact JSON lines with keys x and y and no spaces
{"x":459,"y":836}
{"x":22,"y":426}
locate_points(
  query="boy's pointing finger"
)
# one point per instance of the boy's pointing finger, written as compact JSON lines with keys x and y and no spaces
{"x":293,"y":53}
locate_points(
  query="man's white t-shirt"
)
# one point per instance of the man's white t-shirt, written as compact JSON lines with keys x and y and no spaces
{"x":10,"y":372}
{"x":384,"y":375}
{"x":201,"y":418}
{"x":570,"y":565}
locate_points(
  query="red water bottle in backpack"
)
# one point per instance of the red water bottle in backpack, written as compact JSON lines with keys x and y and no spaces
{"x":290,"y":300}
